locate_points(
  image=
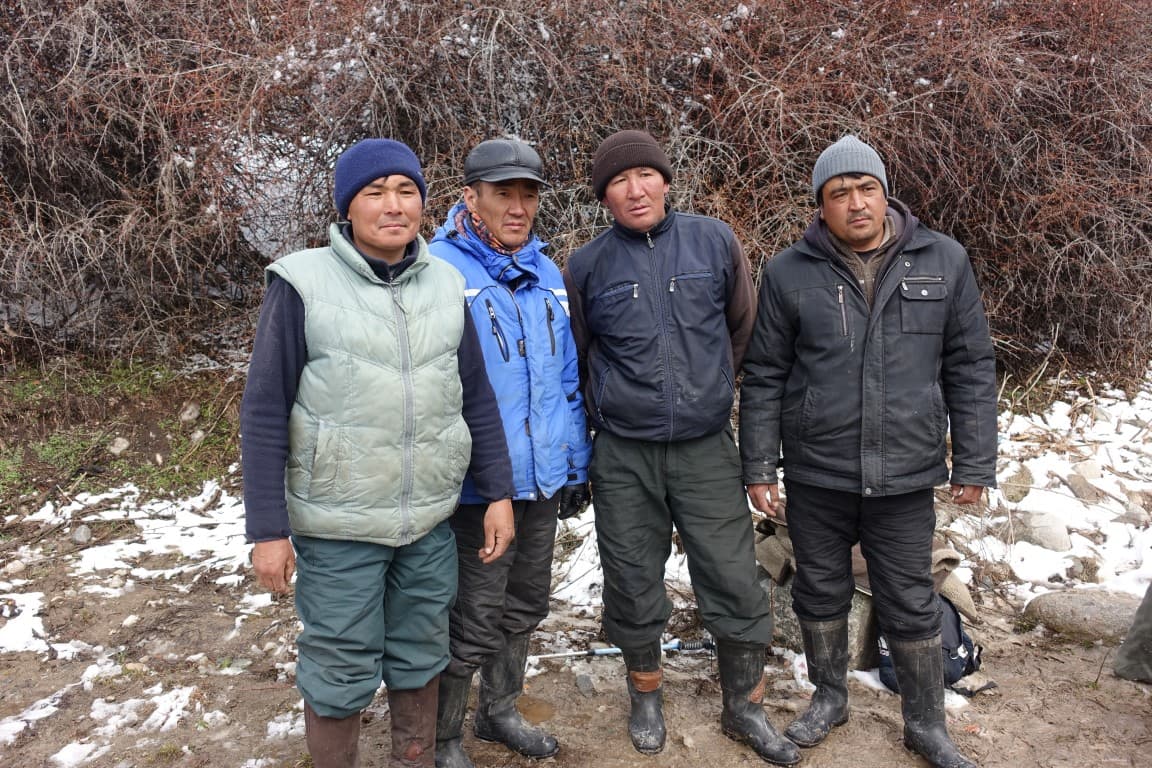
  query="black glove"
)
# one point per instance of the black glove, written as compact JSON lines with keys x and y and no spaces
{"x":573,"y":500}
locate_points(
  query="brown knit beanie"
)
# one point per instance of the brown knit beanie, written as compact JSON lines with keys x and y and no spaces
{"x":623,"y":150}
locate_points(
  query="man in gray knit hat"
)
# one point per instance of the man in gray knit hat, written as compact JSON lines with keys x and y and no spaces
{"x":662,"y":305}
{"x":870,"y":345}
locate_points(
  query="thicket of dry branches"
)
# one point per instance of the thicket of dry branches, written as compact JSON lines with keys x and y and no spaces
{"x":154,"y":155}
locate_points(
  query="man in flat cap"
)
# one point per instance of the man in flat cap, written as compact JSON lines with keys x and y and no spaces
{"x":516,"y":295}
{"x":662,"y":308}
{"x":870,"y":348}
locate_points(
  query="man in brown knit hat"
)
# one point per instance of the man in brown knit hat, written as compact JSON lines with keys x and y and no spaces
{"x":662,"y":307}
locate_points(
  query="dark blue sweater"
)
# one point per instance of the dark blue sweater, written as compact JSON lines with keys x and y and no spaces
{"x":278,"y":358}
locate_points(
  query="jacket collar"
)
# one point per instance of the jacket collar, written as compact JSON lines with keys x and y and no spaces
{"x":416,"y":257}
{"x":634,"y":234}
{"x":521,"y":266}
{"x":817,"y":240}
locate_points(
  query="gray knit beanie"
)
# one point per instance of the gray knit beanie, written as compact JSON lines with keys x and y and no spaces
{"x":623,"y":150}
{"x":846,"y":156}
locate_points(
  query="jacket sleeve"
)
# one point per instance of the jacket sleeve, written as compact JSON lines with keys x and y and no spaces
{"x":490,"y":466}
{"x":741,"y":312}
{"x":279,"y":354}
{"x":767,"y":365}
{"x":968,"y":382}
{"x":579,"y":446}
{"x":579,"y":324}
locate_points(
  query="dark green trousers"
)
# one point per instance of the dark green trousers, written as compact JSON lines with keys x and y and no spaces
{"x":640,"y":491}
{"x":371,"y":613}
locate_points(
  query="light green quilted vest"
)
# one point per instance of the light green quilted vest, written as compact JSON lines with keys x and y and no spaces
{"x":378,"y":446}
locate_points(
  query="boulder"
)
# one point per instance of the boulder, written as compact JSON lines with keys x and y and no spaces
{"x":1085,"y":614}
{"x":1044,"y":529}
{"x":863,"y":650}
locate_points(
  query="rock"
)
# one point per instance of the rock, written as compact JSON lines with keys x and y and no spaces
{"x":1134,"y":514}
{"x":197,"y":437}
{"x":1017,"y":485}
{"x":1083,"y":489}
{"x":585,"y":685}
{"x":189,"y":413}
{"x":14,"y":567}
{"x":863,"y":637}
{"x":1044,"y":529}
{"x":1089,"y":469}
{"x":1085,"y":614}
{"x":118,"y":446}
{"x":81,"y":535}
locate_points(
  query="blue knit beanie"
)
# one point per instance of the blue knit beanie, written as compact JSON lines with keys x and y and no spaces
{"x":849,"y":155}
{"x":371,"y":159}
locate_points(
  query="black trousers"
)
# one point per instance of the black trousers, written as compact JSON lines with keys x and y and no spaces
{"x":640,"y":490}
{"x":895,"y":535}
{"x":509,"y":596}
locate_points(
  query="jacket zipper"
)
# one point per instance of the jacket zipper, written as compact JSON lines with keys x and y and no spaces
{"x":551,"y":332}
{"x":916,"y":280}
{"x":500,"y":342}
{"x":843,"y":310}
{"x":407,"y":470}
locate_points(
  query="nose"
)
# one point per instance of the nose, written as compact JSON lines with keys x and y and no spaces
{"x":855,"y":200}
{"x":635,"y":188}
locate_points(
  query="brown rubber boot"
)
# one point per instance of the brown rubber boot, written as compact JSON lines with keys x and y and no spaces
{"x":332,"y":742}
{"x":414,"y":725}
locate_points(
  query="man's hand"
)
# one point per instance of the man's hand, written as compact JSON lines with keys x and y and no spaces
{"x":765,"y":497}
{"x":966,"y":494}
{"x":573,"y":500}
{"x":274,"y":563}
{"x":499,"y":530}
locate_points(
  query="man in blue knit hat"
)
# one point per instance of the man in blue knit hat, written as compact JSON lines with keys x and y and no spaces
{"x":366,"y":404}
{"x":870,"y":347}
{"x":516,"y":294}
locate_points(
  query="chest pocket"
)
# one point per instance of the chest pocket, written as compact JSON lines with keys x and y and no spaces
{"x":614,"y":309}
{"x":923,"y":304}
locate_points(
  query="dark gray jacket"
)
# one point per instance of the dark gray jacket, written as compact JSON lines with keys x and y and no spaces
{"x":861,"y":400}
{"x":661,"y":321}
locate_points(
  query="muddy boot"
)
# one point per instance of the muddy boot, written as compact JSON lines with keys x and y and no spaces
{"x":743,"y":719}
{"x":414,"y":725}
{"x":497,"y":719}
{"x":826,"y":650}
{"x":332,"y":742}
{"x":450,"y":711}
{"x":919,"y":668}
{"x":645,"y":694}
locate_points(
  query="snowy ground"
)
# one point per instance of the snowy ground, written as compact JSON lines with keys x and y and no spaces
{"x":197,"y":542}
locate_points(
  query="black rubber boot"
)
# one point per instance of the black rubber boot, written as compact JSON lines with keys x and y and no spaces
{"x":450,"y":711}
{"x":646,"y":697}
{"x":743,"y":719}
{"x":332,"y":742}
{"x":497,"y":719}
{"x":919,"y":668}
{"x":826,"y":651}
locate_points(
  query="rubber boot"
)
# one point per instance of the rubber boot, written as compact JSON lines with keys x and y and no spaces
{"x":414,"y":725}
{"x":743,"y":718}
{"x":450,"y":711}
{"x":332,"y":742}
{"x":826,"y":651}
{"x":919,"y":667}
{"x":497,"y":719}
{"x":646,"y":697}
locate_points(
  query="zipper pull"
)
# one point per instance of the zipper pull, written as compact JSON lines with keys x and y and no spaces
{"x":548,"y":304}
{"x":672,"y":286}
{"x":636,"y":290}
{"x":522,"y":348}
{"x":648,"y":235}
{"x":904,"y":286}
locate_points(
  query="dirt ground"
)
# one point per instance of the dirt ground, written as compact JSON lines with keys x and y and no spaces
{"x":1055,"y":705}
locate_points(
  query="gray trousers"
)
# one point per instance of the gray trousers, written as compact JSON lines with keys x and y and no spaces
{"x":641,"y":490}
{"x":509,"y":596}
{"x":1134,"y":659}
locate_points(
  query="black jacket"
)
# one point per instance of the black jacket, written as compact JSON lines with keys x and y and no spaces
{"x":661,"y":321}
{"x":861,"y":400}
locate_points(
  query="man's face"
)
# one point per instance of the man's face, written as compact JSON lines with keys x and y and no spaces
{"x":635,"y":198}
{"x":507,"y":208}
{"x":385,"y":217}
{"x":854,"y":207}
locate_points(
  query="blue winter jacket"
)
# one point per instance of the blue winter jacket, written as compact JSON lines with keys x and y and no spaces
{"x":520,"y":308}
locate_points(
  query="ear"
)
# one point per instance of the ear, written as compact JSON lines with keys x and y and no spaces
{"x":470,"y":195}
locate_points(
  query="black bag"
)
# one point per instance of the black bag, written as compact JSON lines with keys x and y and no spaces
{"x":961,"y":655}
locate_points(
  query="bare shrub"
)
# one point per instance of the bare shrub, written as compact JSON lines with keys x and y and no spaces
{"x":155,"y":155}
